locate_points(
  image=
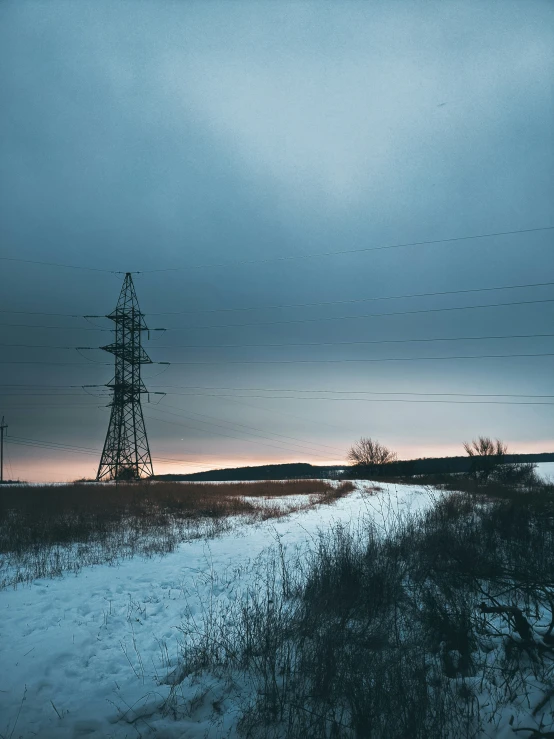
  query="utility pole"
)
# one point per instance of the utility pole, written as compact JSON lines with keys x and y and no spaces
{"x":3,"y":426}
{"x":126,"y":454}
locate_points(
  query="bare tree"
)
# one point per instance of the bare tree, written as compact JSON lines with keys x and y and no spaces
{"x":488,"y":455}
{"x":370,"y":451}
{"x":484,"y":446}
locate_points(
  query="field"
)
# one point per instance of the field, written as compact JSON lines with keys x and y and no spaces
{"x":51,"y":529}
{"x":313,"y":608}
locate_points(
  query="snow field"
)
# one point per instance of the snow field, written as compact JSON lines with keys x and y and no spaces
{"x":86,"y":655}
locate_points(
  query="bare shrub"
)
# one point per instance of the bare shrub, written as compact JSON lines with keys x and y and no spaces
{"x":484,"y":446}
{"x":487,"y":455}
{"x":370,"y":451}
{"x":522,"y":474}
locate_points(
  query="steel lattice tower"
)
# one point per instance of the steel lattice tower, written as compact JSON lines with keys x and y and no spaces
{"x":126,"y":454}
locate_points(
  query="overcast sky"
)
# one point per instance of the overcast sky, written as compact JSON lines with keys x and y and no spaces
{"x":186,"y":136}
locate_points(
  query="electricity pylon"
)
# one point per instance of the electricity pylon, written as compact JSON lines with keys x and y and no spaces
{"x":126,"y":454}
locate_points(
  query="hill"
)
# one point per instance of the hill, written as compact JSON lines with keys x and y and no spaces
{"x":262,"y":472}
{"x":409,"y":467}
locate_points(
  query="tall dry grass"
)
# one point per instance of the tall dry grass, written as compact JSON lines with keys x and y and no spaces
{"x":46,"y":530}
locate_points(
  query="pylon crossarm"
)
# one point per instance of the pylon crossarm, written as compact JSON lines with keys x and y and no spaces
{"x":128,"y":354}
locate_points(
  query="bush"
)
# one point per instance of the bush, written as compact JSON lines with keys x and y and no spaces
{"x":486,"y":455}
{"x":516,"y":474}
{"x":370,"y":452}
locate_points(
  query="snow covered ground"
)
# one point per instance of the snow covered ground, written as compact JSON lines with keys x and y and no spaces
{"x":77,"y":653}
{"x":546,"y":470}
{"x":88,"y":655}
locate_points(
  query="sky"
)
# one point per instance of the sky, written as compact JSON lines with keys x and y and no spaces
{"x":249,"y":160}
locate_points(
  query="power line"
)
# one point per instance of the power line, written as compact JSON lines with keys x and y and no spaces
{"x":353,"y":251}
{"x":347,"y":343}
{"x":54,"y":445}
{"x":287,"y":258}
{"x":63,"y":328}
{"x":299,"y":361}
{"x":45,"y":346}
{"x":96,"y":452}
{"x":293,"y":397}
{"x":300,"y":343}
{"x":59,"y":387}
{"x":530,"y":285}
{"x":302,"y":320}
{"x":364,"y":315}
{"x":83,"y":396}
{"x":351,"y":392}
{"x":218,"y":433}
{"x":343,"y":361}
{"x":367,"y":400}
{"x":60,"y":364}
{"x":282,"y":412}
{"x":258,"y":430}
{"x":357,"y":300}
{"x":57,"y":395}
{"x":230,"y":436}
{"x":41,"y":313}
{"x":83,"y":450}
{"x":63,"y":364}
{"x":279,"y":390}
{"x":342,"y":392}
{"x":93,"y":405}
{"x":35,"y":407}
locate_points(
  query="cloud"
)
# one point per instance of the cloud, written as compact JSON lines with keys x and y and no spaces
{"x":343,"y":123}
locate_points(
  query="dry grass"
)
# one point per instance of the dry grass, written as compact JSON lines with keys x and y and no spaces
{"x":46,"y":530}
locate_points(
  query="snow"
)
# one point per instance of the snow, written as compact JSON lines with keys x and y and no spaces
{"x":79,"y":651}
{"x":546,"y":471}
{"x":89,"y":655}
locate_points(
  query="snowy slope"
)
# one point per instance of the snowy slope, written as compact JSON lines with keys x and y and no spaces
{"x":80,"y":651}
